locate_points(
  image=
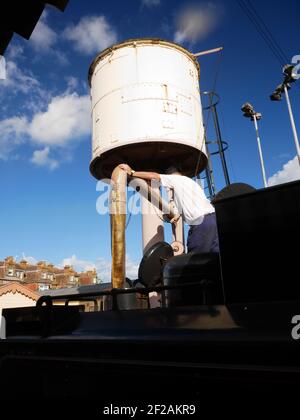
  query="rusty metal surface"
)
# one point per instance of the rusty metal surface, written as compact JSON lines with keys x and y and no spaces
{"x":141,"y":41}
{"x":118,"y":221}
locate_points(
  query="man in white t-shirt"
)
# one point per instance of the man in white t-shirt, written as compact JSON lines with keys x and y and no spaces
{"x":191,"y":202}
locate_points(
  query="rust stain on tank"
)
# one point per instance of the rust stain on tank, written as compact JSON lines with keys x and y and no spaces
{"x":166,"y":91}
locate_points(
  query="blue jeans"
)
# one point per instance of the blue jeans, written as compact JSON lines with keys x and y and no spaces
{"x":204,"y":237}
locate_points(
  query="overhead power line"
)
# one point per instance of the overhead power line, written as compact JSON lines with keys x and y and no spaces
{"x":263,"y":30}
{"x":275,"y":43}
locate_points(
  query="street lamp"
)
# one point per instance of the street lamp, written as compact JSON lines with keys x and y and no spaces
{"x":249,"y":112}
{"x":289,"y":77}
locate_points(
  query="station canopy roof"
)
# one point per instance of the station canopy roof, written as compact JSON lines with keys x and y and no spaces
{"x":21,"y":17}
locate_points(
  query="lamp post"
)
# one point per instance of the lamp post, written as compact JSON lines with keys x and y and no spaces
{"x":249,"y":112}
{"x":289,"y":77}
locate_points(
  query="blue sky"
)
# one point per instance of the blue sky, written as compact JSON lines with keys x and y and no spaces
{"x":48,"y":197}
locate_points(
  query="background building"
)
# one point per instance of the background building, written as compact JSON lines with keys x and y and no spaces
{"x":15,"y":295}
{"x":22,"y":283}
{"x":43,"y":276}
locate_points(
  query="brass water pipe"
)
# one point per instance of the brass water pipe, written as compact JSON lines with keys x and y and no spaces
{"x":117,"y":223}
{"x":118,"y":219}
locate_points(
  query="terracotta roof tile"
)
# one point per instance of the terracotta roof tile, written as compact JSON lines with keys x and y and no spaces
{"x":18,"y":288}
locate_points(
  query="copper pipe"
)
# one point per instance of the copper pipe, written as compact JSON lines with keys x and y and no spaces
{"x":118,"y":219}
{"x":117,"y":223}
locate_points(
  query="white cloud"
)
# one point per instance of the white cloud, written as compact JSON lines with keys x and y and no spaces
{"x":18,"y":80}
{"x":64,"y":122}
{"x":60,"y":57}
{"x":79,"y":265}
{"x":15,"y":51}
{"x":41,"y":158}
{"x":195,"y":22}
{"x":44,"y":40}
{"x":11,"y":135}
{"x":289,"y":172}
{"x":72,"y":83}
{"x":29,"y":259}
{"x":150,"y":3}
{"x":132,"y":268}
{"x":66,"y":119}
{"x":43,"y":37}
{"x":13,"y":127}
{"x":92,"y":34}
{"x":102,"y":266}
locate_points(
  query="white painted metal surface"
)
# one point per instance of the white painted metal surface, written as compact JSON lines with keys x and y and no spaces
{"x":146,"y":92}
{"x":152,"y":223}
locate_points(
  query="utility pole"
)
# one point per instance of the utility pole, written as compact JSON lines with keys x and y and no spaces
{"x":249,"y":112}
{"x":289,"y":77}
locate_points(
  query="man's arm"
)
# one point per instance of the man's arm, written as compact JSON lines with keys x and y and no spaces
{"x":147,"y":176}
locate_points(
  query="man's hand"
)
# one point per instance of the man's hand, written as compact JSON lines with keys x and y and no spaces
{"x":147,"y":176}
{"x":125,"y":168}
{"x":175,"y":219}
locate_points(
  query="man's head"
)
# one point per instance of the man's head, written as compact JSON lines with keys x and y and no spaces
{"x":173,"y":169}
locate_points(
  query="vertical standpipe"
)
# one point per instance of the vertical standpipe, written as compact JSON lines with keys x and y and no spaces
{"x":117,"y":221}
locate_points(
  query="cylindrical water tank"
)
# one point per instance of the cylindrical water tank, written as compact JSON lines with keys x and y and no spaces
{"x":146,"y":108}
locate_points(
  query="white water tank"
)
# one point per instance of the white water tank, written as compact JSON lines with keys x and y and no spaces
{"x":146,"y":108}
